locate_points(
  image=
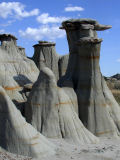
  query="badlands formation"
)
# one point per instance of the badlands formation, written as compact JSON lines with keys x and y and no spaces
{"x":50,"y":99}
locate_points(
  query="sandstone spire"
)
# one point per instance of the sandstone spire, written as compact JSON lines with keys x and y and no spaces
{"x":98,"y":109}
{"x":46,"y":50}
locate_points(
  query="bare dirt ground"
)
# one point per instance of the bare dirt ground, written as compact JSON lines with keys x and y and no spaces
{"x":9,"y":156}
{"x":106,"y":149}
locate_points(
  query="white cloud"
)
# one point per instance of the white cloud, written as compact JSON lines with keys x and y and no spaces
{"x":43,"y":32}
{"x":73,"y":9}
{"x":16,"y":10}
{"x":45,"y":18}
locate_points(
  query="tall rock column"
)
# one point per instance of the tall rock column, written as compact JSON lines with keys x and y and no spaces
{"x":98,"y":109}
{"x":44,"y":52}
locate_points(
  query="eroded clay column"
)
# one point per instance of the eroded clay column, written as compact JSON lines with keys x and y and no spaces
{"x":21,"y":50}
{"x":97,"y":113}
{"x":44,"y":52}
{"x":7,"y":39}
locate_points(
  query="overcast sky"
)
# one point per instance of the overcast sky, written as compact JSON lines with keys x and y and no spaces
{"x":33,"y":20}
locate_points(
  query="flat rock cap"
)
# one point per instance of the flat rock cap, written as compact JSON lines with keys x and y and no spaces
{"x":45,"y":43}
{"x":83,"y":24}
{"x":80,"y":21}
{"x":20,"y":47}
{"x":3,"y":36}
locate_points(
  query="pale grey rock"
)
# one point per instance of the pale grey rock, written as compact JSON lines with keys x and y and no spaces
{"x":50,"y":109}
{"x":41,"y":110}
{"x":84,"y":24}
{"x":99,"y":27}
{"x":21,"y":50}
{"x":16,"y":70}
{"x":98,"y":109}
{"x":28,"y":86}
{"x":77,"y":23}
{"x":63,"y":63}
{"x":45,"y":53}
{"x":18,"y":136}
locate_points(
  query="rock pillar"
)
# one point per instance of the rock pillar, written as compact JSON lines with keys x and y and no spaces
{"x":44,"y":52}
{"x":98,"y":109}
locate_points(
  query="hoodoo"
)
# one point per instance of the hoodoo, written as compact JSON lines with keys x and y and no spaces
{"x":16,"y":70}
{"x":52,"y":110}
{"x":98,"y":109}
{"x":46,"y":50}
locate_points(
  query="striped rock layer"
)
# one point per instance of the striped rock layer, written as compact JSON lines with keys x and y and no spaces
{"x":16,"y":70}
{"x":51,"y":110}
{"x":45,"y":53}
{"x":98,"y":109}
{"x":18,"y":136}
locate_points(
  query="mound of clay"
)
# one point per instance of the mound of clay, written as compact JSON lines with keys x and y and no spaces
{"x":18,"y":136}
{"x":51,"y":111}
{"x":16,"y":70}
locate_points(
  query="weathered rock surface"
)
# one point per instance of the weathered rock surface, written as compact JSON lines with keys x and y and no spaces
{"x":44,"y":52}
{"x":18,"y":136}
{"x":45,"y":55}
{"x":16,"y":70}
{"x":21,"y":50}
{"x":52,"y":112}
{"x":63,"y":63}
{"x":98,"y":109}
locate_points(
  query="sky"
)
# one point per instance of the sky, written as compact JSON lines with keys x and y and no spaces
{"x":33,"y":20}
